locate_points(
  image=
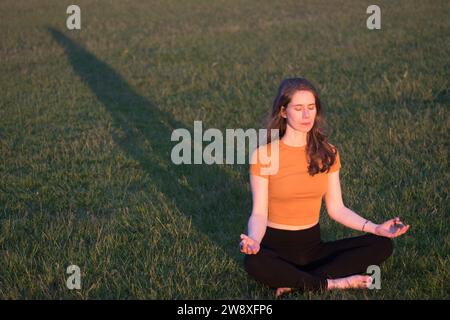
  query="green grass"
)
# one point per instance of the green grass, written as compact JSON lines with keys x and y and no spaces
{"x":86,"y":118}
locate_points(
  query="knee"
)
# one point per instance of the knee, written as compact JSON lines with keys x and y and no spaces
{"x":384,"y":246}
{"x":252,"y":264}
{"x":258,"y":266}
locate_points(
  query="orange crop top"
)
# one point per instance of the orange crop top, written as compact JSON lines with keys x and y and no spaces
{"x":294,"y":197}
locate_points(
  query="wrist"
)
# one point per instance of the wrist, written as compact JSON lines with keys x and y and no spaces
{"x":255,"y":237}
{"x":369,"y":227}
{"x":372,"y":227}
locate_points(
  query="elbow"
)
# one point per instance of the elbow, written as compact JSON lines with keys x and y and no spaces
{"x":332,"y":216}
{"x":335,"y":213}
{"x":260,"y":212}
{"x":258,"y":218}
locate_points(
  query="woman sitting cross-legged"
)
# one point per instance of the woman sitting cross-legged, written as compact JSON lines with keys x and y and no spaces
{"x":283,"y":247}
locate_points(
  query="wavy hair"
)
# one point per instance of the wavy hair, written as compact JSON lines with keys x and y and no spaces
{"x":318,"y":150}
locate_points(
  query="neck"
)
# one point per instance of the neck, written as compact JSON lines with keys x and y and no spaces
{"x":294,"y":137}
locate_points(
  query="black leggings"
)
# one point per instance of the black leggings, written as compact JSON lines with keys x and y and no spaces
{"x":300,"y":259}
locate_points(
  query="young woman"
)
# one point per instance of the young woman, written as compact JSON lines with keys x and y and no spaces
{"x":283,"y":248}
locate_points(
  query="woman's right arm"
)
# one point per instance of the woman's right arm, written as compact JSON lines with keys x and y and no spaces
{"x":257,"y":222}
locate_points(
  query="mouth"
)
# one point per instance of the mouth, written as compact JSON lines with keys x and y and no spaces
{"x":305,"y":124}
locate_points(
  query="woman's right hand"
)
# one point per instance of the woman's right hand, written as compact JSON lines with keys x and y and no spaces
{"x":248,"y":245}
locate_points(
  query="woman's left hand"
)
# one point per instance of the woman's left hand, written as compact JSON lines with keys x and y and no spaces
{"x":391,"y":228}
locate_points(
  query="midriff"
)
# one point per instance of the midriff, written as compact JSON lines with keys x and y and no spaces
{"x":288,"y":227}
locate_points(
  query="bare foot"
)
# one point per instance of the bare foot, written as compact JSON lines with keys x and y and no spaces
{"x":352,"y":282}
{"x":280,"y":291}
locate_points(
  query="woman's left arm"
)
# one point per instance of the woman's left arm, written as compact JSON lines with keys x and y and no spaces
{"x":340,"y":213}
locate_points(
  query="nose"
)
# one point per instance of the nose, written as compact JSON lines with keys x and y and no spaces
{"x":305,"y":113}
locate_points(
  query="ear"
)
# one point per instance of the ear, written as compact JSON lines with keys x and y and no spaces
{"x":283,"y":112}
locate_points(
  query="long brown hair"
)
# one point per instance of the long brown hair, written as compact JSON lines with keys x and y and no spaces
{"x":318,"y":149}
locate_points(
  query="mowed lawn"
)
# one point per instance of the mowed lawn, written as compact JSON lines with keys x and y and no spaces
{"x":86,"y":119}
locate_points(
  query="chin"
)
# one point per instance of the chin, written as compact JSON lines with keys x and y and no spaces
{"x":303,"y":129}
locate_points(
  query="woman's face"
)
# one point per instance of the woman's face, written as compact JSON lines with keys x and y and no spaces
{"x":301,"y":111}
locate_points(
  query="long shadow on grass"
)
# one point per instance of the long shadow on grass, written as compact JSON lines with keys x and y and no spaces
{"x":205,"y":193}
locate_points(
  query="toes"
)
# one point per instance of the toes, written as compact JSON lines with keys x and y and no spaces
{"x":280,"y":291}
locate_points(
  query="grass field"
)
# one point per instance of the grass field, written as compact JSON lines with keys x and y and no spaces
{"x":86,"y":118}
